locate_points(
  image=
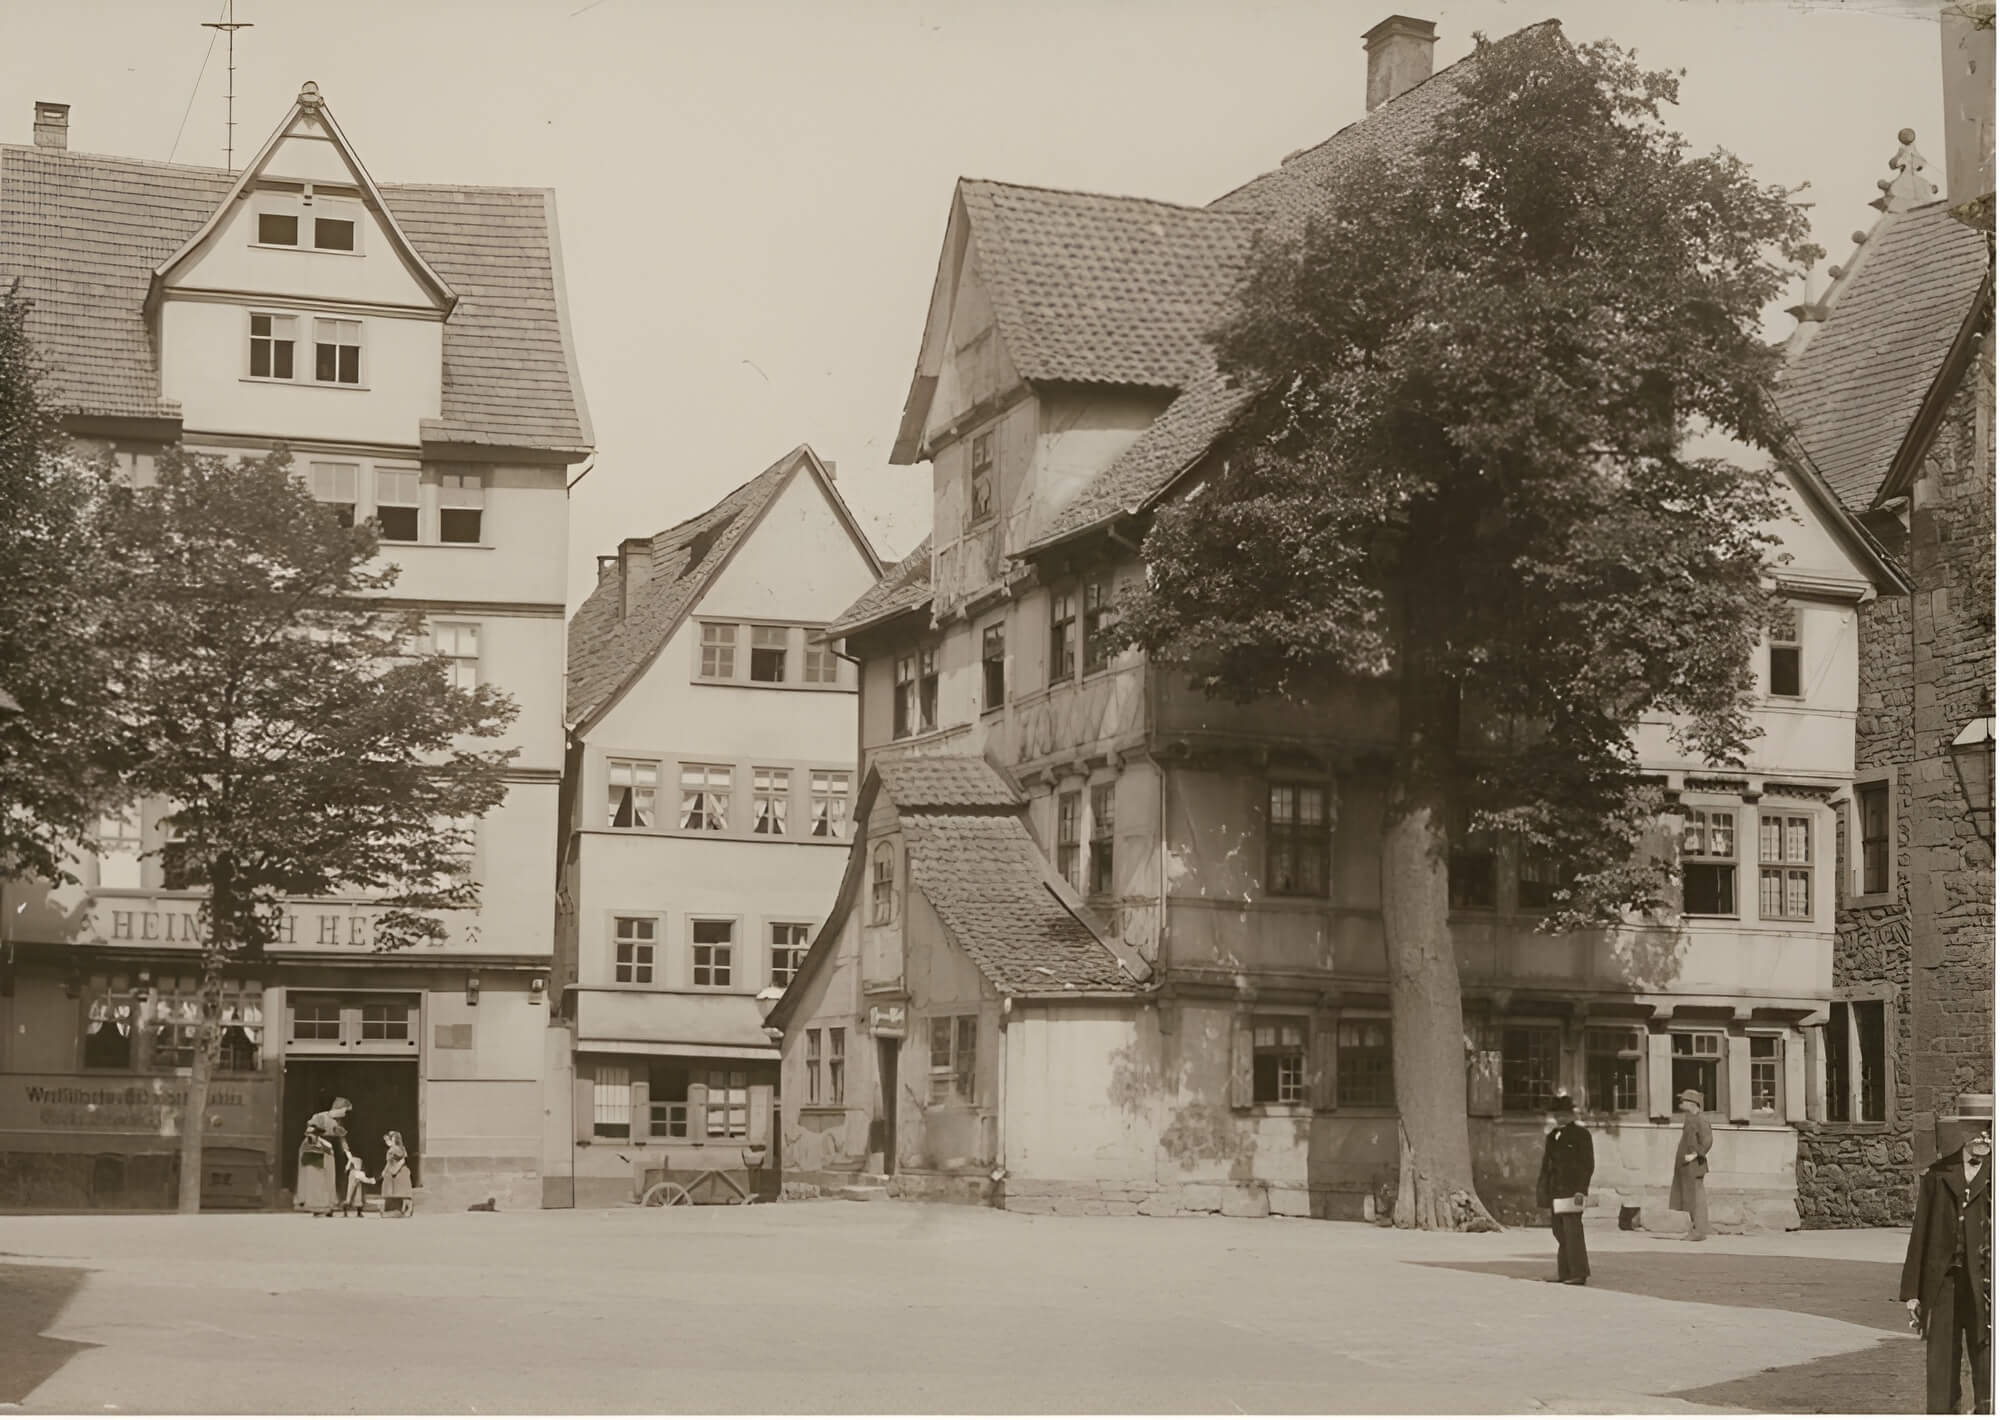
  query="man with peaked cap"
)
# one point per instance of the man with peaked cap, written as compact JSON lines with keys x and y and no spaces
{"x":1689,"y":1193}
{"x":1948,"y":1271}
{"x":1567,"y":1164}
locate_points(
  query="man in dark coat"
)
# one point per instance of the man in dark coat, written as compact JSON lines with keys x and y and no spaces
{"x":1567,"y":1164}
{"x":1948,"y":1271}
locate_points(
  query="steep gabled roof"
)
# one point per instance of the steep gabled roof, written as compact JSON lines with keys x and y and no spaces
{"x":904,"y":587}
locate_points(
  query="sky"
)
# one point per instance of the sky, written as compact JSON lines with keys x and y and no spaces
{"x":752,"y":193}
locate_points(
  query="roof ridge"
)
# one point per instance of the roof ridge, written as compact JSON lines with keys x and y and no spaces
{"x":204,"y":170}
{"x":1202,"y":210}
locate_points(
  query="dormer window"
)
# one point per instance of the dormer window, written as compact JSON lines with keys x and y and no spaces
{"x":289,"y":218}
{"x":277,"y":229}
{"x":333,"y":234}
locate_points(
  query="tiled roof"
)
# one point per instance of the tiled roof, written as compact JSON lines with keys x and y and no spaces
{"x":1852,"y":392}
{"x":946,"y":781}
{"x":904,"y":587}
{"x":607,"y":650}
{"x":84,"y":233}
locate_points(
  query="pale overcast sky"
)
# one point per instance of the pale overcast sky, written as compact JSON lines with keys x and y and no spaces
{"x":753,"y":192}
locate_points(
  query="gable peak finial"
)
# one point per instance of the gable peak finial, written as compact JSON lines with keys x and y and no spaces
{"x":309,"y":95}
{"x":1909,"y":188}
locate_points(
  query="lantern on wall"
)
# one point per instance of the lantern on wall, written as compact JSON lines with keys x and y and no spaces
{"x":1972,"y":763}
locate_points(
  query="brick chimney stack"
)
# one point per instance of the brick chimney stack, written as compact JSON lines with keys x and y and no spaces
{"x":1399,"y":57}
{"x":635,"y":570}
{"x":51,"y":124}
{"x":1965,"y":33}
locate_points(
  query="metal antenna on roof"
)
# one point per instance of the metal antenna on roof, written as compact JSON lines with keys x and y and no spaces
{"x":229,"y":25}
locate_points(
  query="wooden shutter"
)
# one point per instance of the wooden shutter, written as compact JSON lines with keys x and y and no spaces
{"x":1325,"y":1062}
{"x":760,"y":1114}
{"x":1242,"y":1087}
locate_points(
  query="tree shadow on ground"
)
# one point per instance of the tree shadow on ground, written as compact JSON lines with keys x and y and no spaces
{"x":31,"y":1298}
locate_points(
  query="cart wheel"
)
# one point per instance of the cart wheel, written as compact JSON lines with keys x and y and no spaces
{"x":665,"y":1195}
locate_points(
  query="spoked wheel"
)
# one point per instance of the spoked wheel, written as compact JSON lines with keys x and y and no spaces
{"x":666,"y":1195}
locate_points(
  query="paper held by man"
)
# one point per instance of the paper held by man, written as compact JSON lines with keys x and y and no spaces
{"x":1582,"y":1202}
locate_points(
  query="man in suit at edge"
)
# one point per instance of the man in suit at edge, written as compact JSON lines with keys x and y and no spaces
{"x":1948,"y":1271}
{"x":1567,"y":1164}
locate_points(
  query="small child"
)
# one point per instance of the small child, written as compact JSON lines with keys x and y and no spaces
{"x":395,"y":1177}
{"x":355,"y":1180}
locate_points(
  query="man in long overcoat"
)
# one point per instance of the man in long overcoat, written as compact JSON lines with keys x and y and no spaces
{"x":1948,"y":1271}
{"x":1689,"y":1193}
{"x":1568,"y":1161}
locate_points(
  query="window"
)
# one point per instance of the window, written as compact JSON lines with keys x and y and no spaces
{"x":1612,"y":1061}
{"x":1538,"y":877}
{"x":396,"y":504}
{"x":714,"y":947}
{"x":1872,"y":800}
{"x":315,"y":1019}
{"x":277,"y":229}
{"x":611,"y":1096}
{"x":836,"y":1065}
{"x":118,"y":850}
{"x":1472,"y":878}
{"x":385,"y":1022}
{"x":1098,"y":619}
{"x":107,"y":1040}
{"x":179,"y":872}
{"x":1296,"y":841}
{"x":1103,"y":825}
{"x":174,"y":1033}
{"x":1708,"y":862}
{"x":1784,"y":867}
{"x":829,"y":804}
{"x":667,"y":1100}
{"x":1278,"y":1060}
{"x":336,"y":485}
{"x":1767,"y":1076}
{"x":980,"y":504}
{"x":1697,"y":1060}
{"x":789,"y":941}
{"x":337,"y":352}
{"x":728,"y":1104}
{"x":633,"y":939}
{"x":1786,"y":675}
{"x":461,"y":506}
{"x":1364,"y":1073}
{"x":272,"y":341}
{"x":1069,"y":834}
{"x":634,"y":784}
{"x":812,"y":1067}
{"x":882,"y":888}
{"x":927,"y":689}
{"x":1062,"y":636}
{"x":770,"y":800}
{"x":993,"y":666}
{"x":767,"y":653}
{"x":458,"y":643}
{"x":705,"y":797}
{"x":822,"y":665}
{"x":718,"y":651}
{"x":1529,"y":1060}
{"x":905,"y":703}
{"x":954,"y":1049}
{"x":1857,"y":1066}
{"x":333,"y":233}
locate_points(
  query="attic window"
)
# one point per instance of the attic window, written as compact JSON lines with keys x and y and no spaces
{"x":332,"y":234}
{"x":768,"y":645}
{"x":981,"y":503}
{"x":277,"y":229}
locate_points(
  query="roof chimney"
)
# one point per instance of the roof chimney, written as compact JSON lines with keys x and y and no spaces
{"x":1966,"y":38}
{"x":1399,"y":57}
{"x":635,"y":569}
{"x":51,"y":124}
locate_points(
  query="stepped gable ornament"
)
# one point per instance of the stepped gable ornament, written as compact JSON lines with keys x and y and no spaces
{"x":1909,"y":188}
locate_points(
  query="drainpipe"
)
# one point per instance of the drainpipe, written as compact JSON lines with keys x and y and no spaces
{"x":1000,"y":1119}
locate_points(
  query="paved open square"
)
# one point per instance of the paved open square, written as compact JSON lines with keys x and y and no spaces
{"x":890,"y":1307}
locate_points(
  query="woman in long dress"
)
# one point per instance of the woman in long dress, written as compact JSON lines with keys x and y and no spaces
{"x":395,"y":1177}
{"x":324,"y":1133}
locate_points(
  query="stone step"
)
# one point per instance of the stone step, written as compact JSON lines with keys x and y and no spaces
{"x":864,"y":1193}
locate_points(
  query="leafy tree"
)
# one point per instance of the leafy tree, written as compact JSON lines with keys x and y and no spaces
{"x":306,"y":744}
{"x":1462,"y":475}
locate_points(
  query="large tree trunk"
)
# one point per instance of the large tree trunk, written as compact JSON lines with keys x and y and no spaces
{"x":194,"y":1115}
{"x":1434,"y":1186}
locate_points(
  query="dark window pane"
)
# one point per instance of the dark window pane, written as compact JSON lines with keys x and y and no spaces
{"x":1868,"y":1025}
{"x":458,"y":524}
{"x":326,"y":362}
{"x":107,"y":1047}
{"x":281,"y":359}
{"x":1785,"y":670}
{"x":1709,"y":889}
{"x":1839,"y":1063}
{"x":397,"y":524}
{"x":276,"y":230}
{"x":333,"y":234}
{"x":350,"y":364}
{"x":260,"y":358}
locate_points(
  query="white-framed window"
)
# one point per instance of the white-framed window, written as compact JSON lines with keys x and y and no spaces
{"x":315,"y":1017}
{"x":458,"y":643}
{"x":1614,"y":1069}
{"x":336,"y":351}
{"x":927,"y":689}
{"x":611,"y":1101}
{"x":1784,"y":867}
{"x":829,"y":803}
{"x":822,"y":666}
{"x":338,"y":485}
{"x":277,"y":229}
{"x":335,"y":233}
{"x":1062,"y":636}
{"x":396,"y":504}
{"x":1698,"y":1057}
{"x":813,"y":1066}
{"x":634,"y":787}
{"x":1099,"y":618}
{"x":1856,"y":1038}
{"x":979,"y":504}
{"x":385,"y":1020}
{"x":1278,"y":1060}
{"x":954,"y":1059}
{"x":633,"y":940}
{"x":1069,"y":836}
{"x":1530,"y":1066}
{"x":904,"y":705}
{"x":705,"y":797}
{"x":1787,"y":653}
{"x":119,"y":864}
{"x":1298,"y":841}
{"x":1103,"y":835}
{"x":882,"y":885}
{"x":461,"y":506}
{"x":1364,"y":1064}
{"x":274,"y":341}
{"x":1708,"y":862}
{"x":770,"y":801}
{"x":728,"y":1104}
{"x":718,"y":650}
{"x":1767,"y":1076}
{"x":714,"y":944}
{"x":789,"y":942}
{"x":770,"y":648}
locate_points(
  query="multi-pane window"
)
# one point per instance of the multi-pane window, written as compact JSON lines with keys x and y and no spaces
{"x":633,"y":940}
{"x":396,"y":504}
{"x":179,"y":871}
{"x":728,"y":1104}
{"x":108,"y":1039}
{"x":118,"y":848}
{"x":718,"y":650}
{"x":768,"y":648}
{"x":981,"y":502}
{"x":954,"y":1051}
{"x":1103,"y":834}
{"x":1787,"y":675}
{"x":1784,"y":867}
{"x":1530,"y":1057}
{"x":770,"y":800}
{"x":337,"y":352}
{"x":1278,"y":1060}
{"x":836,"y":1065}
{"x":634,"y":785}
{"x":458,"y":643}
{"x":813,"y":1064}
{"x":822,"y":666}
{"x":315,"y":1019}
{"x":714,"y":944}
{"x":333,"y":233}
{"x":611,"y":1102}
{"x":1297,"y":843}
{"x":667,"y":1084}
{"x":1062,"y":636}
{"x":461,"y":506}
{"x":277,"y":229}
{"x":927,"y":689}
{"x":904,"y":705}
{"x":1708,"y":862}
{"x":1613,"y":1058}
{"x":1099,"y":618}
{"x":829,"y":803}
{"x":273,"y":341}
{"x":338,"y":486}
{"x":1857,"y":1066}
{"x":882,"y":885}
{"x":1069,"y":836}
{"x":705,"y":797}
{"x":1767,"y":1075}
{"x":385,"y":1021}
{"x":1538,"y":877}
{"x":1697,"y":1057}
{"x":993,"y":666}
{"x":789,"y":941}
{"x":1364,"y":1065}
{"x":1873,"y":802}
{"x":1472,"y":873}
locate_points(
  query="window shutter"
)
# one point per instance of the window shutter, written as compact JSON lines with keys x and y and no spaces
{"x":1325,"y":1062}
{"x":760,"y":1114}
{"x":1736,"y":1078}
{"x":1241,"y":1087}
{"x":1660,"y":1075}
